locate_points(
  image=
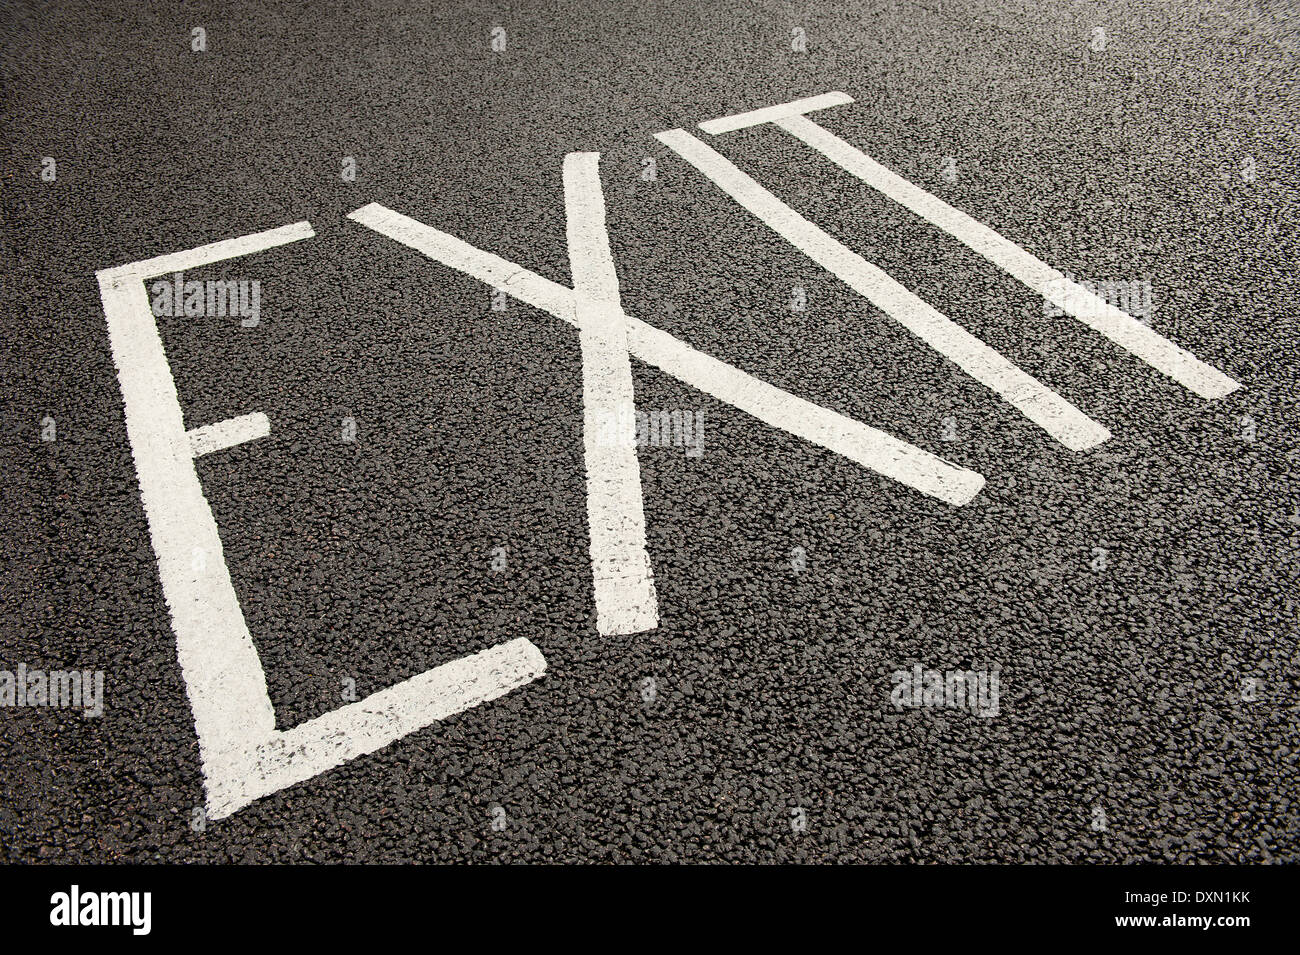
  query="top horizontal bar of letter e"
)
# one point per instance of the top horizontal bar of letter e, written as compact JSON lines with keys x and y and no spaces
{"x":771,"y":114}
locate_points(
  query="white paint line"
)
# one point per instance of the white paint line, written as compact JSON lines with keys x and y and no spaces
{"x":228,"y":433}
{"x":368,"y":725}
{"x":517,"y":281}
{"x":771,"y":114}
{"x":863,"y":445}
{"x":620,"y":564}
{"x":223,"y":675}
{"x":243,"y":756}
{"x":1095,"y":312}
{"x":214,"y":252}
{"x":1062,"y":420}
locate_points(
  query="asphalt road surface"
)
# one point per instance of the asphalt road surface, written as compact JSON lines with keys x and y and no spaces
{"x":1126,"y":607}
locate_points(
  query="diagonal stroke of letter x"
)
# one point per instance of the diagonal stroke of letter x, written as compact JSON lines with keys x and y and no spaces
{"x":624,"y":583}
